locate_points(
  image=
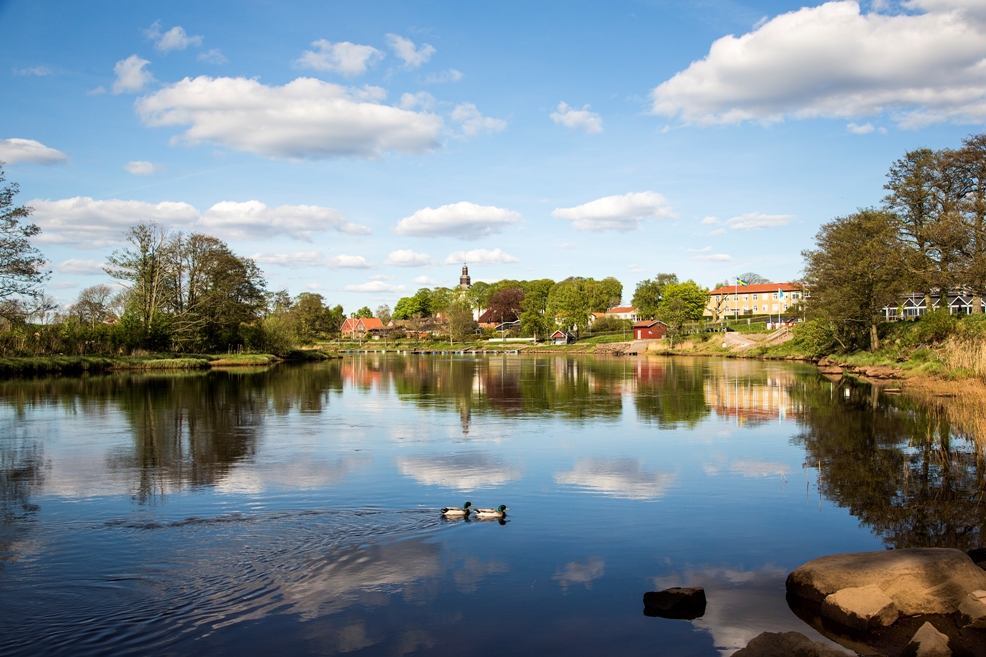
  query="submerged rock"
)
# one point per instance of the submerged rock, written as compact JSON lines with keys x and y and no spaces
{"x":918,"y":580}
{"x":787,"y":644}
{"x":676,"y":602}
{"x":927,"y":642}
{"x":861,"y":607}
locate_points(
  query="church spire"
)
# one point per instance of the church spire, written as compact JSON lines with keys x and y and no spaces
{"x":464,"y":281}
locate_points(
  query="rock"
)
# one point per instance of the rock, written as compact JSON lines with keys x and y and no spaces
{"x":927,"y":642}
{"x":787,"y":644}
{"x":918,"y":580}
{"x":972,"y":610}
{"x":978,"y":556}
{"x":676,"y":602}
{"x":862,"y":607}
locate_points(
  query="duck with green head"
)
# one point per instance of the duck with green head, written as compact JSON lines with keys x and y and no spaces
{"x":491,"y":514}
{"x":455,"y":512}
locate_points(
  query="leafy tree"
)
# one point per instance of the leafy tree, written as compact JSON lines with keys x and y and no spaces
{"x":460,"y":322}
{"x":607,"y":293}
{"x":682,"y":303}
{"x":970,"y":166}
{"x":363,"y":313}
{"x":383,"y":314}
{"x":93,"y":305}
{"x":853,"y":273}
{"x":507,"y":304}
{"x":311,"y":318}
{"x":534,"y":318}
{"x":753,"y":278}
{"x":441,"y":298}
{"x":21,"y":265}
{"x":142,"y":267}
{"x":479,"y":295}
{"x":418,"y":305}
{"x":649,"y":294}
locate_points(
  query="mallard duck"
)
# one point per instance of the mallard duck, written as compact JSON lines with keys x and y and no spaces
{"x":455,"y":512}
{"x":498,"y":512}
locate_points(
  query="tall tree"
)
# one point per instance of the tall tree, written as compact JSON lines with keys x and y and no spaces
{"x":93,"y":305}
{"x":143,"y":268}
{"x":363,"y":313}
{"x":753,"y":278}
{"x":21,"y":265}
{"x":460,"y":322}
{"x":854,"y":272}
{"x":383,"y":314}
{"x":970,"y":161}
{"x":681,"y":303}
{"x":534,"y":318}
{"x":507,"y":304}
{"x":649,"y":294}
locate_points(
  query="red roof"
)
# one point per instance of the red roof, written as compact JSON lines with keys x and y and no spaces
{"x":620,"y":309}
{"x":763,"y":287}
{"x":368,"y":323}
{"x":647,"y":323}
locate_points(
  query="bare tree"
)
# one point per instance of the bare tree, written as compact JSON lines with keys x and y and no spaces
{"x":21,"y":265}
{"x":94,"y":304}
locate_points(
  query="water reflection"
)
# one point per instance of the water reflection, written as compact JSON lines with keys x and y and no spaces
{"x":625,"y":478}
{"x":465,"y":472}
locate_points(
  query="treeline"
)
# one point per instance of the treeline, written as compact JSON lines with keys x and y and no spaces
{"x":928,"y":236}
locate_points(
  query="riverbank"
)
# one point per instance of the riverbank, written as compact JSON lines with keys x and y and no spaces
{"x":33,"y":366}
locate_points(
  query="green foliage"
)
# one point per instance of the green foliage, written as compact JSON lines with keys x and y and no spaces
{"x":418,"y":305}
{"x":608,"y":324}
{"x":460,"y":321}
{"x":816,"y":337}
{"x":691,"y":293}
{"x":935,"y":326}
{"x":363,"y":313}
{"x":649,"y":294}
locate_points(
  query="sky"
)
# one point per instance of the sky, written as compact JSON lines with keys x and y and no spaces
{"x":362,"y":150}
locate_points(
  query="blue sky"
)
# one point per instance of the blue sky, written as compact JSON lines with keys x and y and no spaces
{"x":365,"y":149}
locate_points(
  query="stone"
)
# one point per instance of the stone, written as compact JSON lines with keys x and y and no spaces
{"x":862,"y":607}
{"x":972,"y":611}
{"x":787,"y":644}
{"x":676,"y":602}
{"x":918,"y":580}
{"x":927,"y":642}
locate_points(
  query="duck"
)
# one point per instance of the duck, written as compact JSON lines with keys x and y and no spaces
{"x":456,"y":512}
{"x":490,"y":514}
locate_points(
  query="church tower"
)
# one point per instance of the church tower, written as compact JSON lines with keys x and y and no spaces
{"x":464,"y":281}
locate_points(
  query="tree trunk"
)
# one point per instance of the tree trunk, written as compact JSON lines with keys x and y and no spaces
{"x":977,"y":304}
{"x":874,"y":338}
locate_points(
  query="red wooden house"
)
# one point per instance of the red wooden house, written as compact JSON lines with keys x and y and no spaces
{"x":649,"y":329}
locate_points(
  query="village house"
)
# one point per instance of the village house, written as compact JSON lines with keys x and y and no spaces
{"x":746,"y":300}
{"x":359,"y":328}
{"x":562,"y":337}
{"x":650,"y":329}
{"x":914,"y":304}
{"x":623,"y":312}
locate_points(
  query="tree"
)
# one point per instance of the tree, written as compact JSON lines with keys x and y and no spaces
{"x":479,"y":295}
{"x":363,"y":313}
{"x":970,"y":161}
{"x":383,"y":314}
{"x":460,"y":322}
{"x":507,"y":304}
{"x":21,"y":265}
{"x":649,"y":294}
{"x":142,"y":267}
{"x":753,"y":278}
{"x":534,"y":318}
{"x":311,"y":317}
{"x":93,"y":305}
{"x":854,"y":272}
{"x":681,"y":303}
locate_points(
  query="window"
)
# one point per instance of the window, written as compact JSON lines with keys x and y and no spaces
{"x":775,"y":307}
{"x":746,"y":297}
{"x":774,"y":296}
{"x":755,"y":296}
{"x":785,"y":306}
{"x":755,"y":309}
{"x":735,"y":297}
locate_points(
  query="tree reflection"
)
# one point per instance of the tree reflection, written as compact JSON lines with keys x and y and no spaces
{"x":671,"y":392}
{"x":895,"y":464}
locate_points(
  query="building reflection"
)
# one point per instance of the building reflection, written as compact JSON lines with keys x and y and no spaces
{"x":753,"y":397}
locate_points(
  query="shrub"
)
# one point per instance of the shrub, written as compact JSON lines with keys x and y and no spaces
{"x":815,"y":337}
{"x":935,"y":326}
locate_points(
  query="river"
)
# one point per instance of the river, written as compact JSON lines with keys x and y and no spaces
{"x":294,"y":509}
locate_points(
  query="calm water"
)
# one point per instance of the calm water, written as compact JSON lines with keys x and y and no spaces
{"x":293,"y":510}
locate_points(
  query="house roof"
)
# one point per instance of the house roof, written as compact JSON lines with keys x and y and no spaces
{"x":368,"y":323}
{"x":763,"y":287}
{"x":648,"y":323}
{"x":371,"y":323}
{"x":620,"y":309}
{"x":559,"y":333}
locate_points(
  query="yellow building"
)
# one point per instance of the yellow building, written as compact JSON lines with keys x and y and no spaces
{"x":747,"y":300}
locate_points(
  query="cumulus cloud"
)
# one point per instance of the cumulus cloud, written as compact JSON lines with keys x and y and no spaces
{"x":89,"y":223}
{"x":710,"y":220}
{"x":375,"y":286}
{"x":39,"y":71}
{"x":864,"y":129}
{"x":407,"y":258}
{"x":28,"y":150}
{"x":213,"y":56}
{"x":576,"y":119}
{"x":142,"y":167}
{"x":619,"y":213}
{"x":757,"y":221}
{"x":347,"y":262}
{"x":130,"y":75}
{"x":473,"y":122}
{"x":425,"y":280}
{"x":80,"y":267}
{"x":421,"y":99}
{"x":405,"y":50}
{"x":481,"y":257}
{"x":714,"y":257}
{"x":836,"y":61}
{"x":296,"y":260}
{"x":173,"y":39}
{"x":347,"y":58}
{"x":464,"y":220}
{"x":717,"y":232}
{"x":702,"y":250}
{"x":451,"y":75}
{"x":305,"y":118}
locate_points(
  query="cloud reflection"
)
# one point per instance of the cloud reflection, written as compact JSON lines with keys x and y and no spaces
{"x":465,"y":472}
{"x":580,"y":573}
{"x":624,"y":478}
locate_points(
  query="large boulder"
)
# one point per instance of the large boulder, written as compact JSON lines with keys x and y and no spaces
{"x":972,"y":610}
{"x":676,"y":602}
{"x":787,"y":644}
{"x":862,"y":607}
{"x":918,"y":580}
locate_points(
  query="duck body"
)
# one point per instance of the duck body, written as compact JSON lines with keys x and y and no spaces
{"x":491,"y":514}
{"x":456,"y":512}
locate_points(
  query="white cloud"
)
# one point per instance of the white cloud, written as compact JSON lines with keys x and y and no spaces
{"x":714,"y":257}
{"x":382,"y":277}
{"x":463,"y":220}
{"x":619,"y":213}
{"x":706,"y":249}
{"x":81,"y":267}
{"x":836,"y":61}
{"x":575,"y":119}
{"x":89,"y":223}
{"x":213,"y":56}
{"x":375,"y":286}
{"x":711,"y":221}
{"x":173,"y":39}
{"x":864,"y":129}
{"x":718,"y":232}
{"x":39,"y":71}
{"x":480,"y":257}
{"x":347,"y":262}
{"x":405,"y":50}
{"x":473,"y":122}
{"x":130,"y":75}
{"x":451,"y":75}
{"x":422,"y":99}
{"x":296,"y":260}
{"x":757,"y":221}
{"x":347,"y":58}
{"x":142,"y":167}
{"x":425,"y":280}
{"x":27,"y":150}
{"x":636,"y":269}
{"x":306,"y":118}
{"x":407,"y":258}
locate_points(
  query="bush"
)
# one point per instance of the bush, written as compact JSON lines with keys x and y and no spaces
{"x":815,"y":337}
{"x":936,"y":326}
